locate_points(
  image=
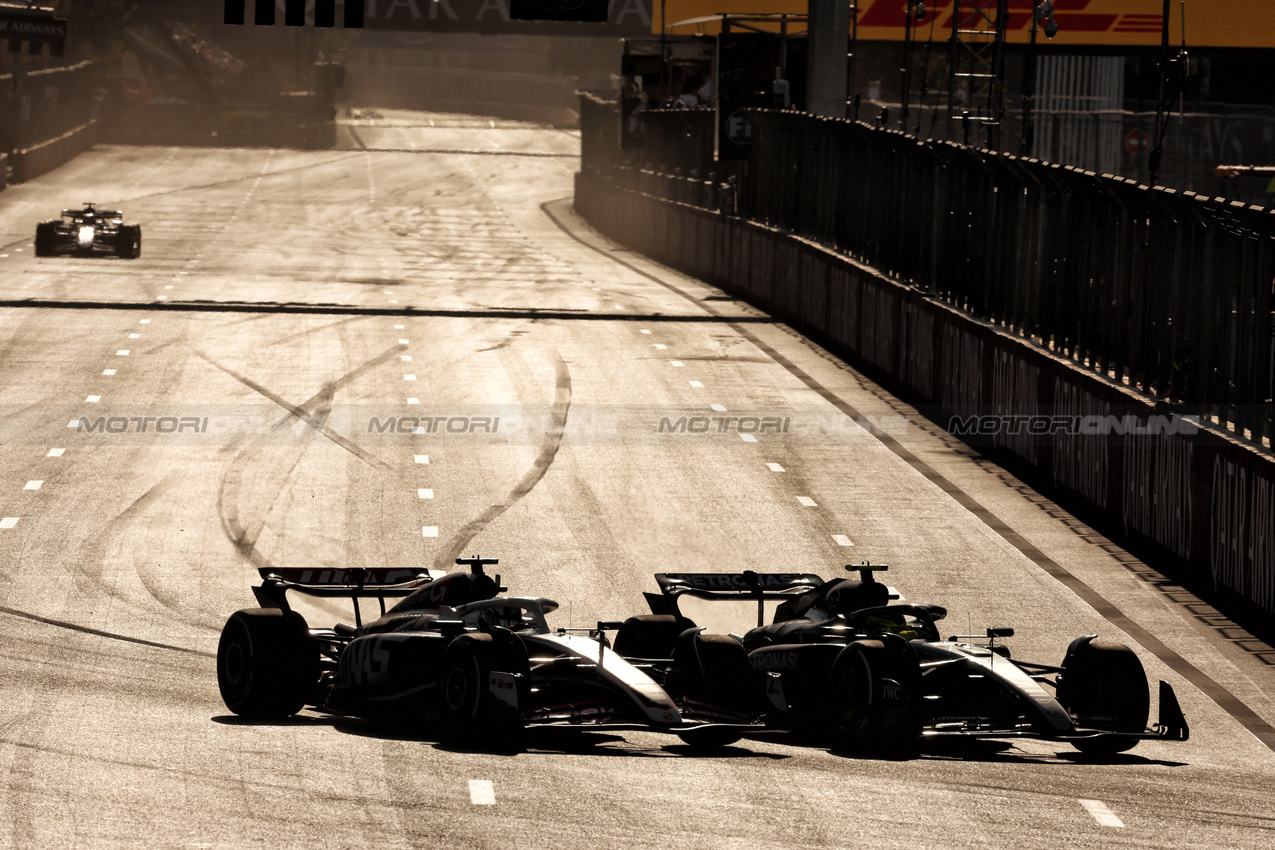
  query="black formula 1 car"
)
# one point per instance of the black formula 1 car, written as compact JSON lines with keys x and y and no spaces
{"x":89,"y":232}
{"x":454,"y":657}
{"x":847,"y":662}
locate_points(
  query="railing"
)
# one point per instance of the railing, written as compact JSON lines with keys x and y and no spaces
{"x":1167,"y":292}
{"x":42,"y":105}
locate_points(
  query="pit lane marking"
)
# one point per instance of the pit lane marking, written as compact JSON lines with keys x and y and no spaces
{"x":406,"y":358}
{"x":697,"y":384}
{"x":720,"y":408}
{"x":33,"y":485}
{"x":123,"y":352}
{"x":424,"y":493}
{"x":660,"y":346}
{"x":677,"y":362}
{"x":481,"y":792}
{"x":644,"y":330}
{"x":108,"y":372}
{"x":1103,"y":815}
{"x":748,"y":438}
{"x":144,"y":321}
{"x":842,"y":540}
{"x":8,"y":522}
{"x":55,"y":452}
{"x":398,"y":327}
{"x":429,"y":531}
{"x":806,"y":501}
{"x":402,"y":342}
{"x":413,"y":400}
{"x":93,"y":399}
{"x":422,"y":458}
{"x":409,"y":377}
{"x":774,"y":467}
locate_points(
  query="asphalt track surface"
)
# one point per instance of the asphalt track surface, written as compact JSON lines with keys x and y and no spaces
{"x":235,"y":377}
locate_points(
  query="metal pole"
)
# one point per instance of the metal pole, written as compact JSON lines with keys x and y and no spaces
{"x":1029,"y":93}
{"x":907,"y":64}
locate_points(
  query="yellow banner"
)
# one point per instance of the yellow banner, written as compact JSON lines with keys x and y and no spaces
{"x":1209,"y":23}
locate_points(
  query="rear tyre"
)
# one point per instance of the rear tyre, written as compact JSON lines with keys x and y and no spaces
{"x":471,"y":711}
{"x":46,"y":238}
{"x":1104,"y":686}
{"x":713,"y":672}
{"x":874,"y":686}
{"x":267,"y":663}
{"x":650,"y":635}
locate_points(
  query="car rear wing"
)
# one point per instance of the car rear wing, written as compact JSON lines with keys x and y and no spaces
{"x":353,"y":583}
{"x":747,"y":586}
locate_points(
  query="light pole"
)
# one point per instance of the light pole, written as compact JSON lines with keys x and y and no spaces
{"x":1042,"y":18}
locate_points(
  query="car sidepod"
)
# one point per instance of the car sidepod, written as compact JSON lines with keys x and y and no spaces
{"x":793,"y":679}
{"x":389,"y":676}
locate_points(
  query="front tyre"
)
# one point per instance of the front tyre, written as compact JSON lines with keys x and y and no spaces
{"x":477,"y":693}
{"x":1104,"y":686}
{"x":267,"y":663}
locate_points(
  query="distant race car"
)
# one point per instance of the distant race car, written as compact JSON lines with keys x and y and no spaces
{"x":455,"y":657}
{"x":849,"y":666}
{"x":88,"y":232}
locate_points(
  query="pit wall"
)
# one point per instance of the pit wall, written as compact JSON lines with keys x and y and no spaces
{"x":1195,"y":502}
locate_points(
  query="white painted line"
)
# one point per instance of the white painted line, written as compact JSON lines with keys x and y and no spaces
{"x":422,"y":458}
{"x":168,"y":286}
{"x":1101,"y":813}
{"x":134,"y":336}
{"x":33,"y":485}
{"x":660,"y":346}
{"x":645,"y":331}
{"x":161,"y":297}
{"x":8,"y":522}
{"x":697,"y":384}
{"x":409,"y":377}
{"x":413,"y":401}
{"x":429,"y":531}
{"x":108,"y":372}
{"x":389,"y":292}
{"x":419,"y":429}
{"x":423,"y":493}
{"x":748,"y":438}
{"x":402,"y":342}
{"x":720,"y":408}
{"x":74,"y":423}
{"x":774,"y":467}
{"x":677,"y":362}
{"x":842,"y":540}
{"x":398,"y":327}
{"x":123,"y":352}
{"x":481,"y":792}
{"x":393,"y":300}
{"x":55,"y":452}
{"x":806,"y":501}
{"x":93,"y":399}
{"x":406,"y":358}
{"x":144,"y":321}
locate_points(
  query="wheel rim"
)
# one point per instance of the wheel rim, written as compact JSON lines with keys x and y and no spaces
{"x":456,"y":689}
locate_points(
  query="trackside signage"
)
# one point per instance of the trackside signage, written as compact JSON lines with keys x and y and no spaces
{"x":1123,"y":23}
{"x":492,"y":17}
{"x":37,"y":26}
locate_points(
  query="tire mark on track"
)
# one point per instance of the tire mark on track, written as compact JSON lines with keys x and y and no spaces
{"x":1211,"y":688}
{"x":75,"y":627}
{"x":548,"y":451}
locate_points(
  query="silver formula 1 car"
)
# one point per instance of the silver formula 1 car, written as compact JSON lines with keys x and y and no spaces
{"x":89,"y":232}
{"x":452,"y":656}
{"x":848,"y":663}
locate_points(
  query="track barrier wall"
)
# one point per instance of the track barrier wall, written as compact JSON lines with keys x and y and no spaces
{"x":47,"y":117}
{"x":1192,"y":496}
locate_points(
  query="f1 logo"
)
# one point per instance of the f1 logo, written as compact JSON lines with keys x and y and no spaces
{"x":294,"y":13}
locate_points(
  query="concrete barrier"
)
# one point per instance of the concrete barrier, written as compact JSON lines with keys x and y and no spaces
{"x":31,"y":162}
{"x":1187,"y":495}
{"x":4,"y":170}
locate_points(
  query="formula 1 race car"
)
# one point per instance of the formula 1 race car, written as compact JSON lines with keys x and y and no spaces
{"x":847,"y":662}
{"x":87,"y":232}
{"x":454,"y":657}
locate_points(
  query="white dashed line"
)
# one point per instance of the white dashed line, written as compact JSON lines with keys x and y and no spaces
{"x":720,"y":408}
{"x":423,"y":493}
{"x":398,"y":327}
{"x":1103,"y":815}
{"x":409,"y":377}
{"x":677,"y":362}
{"x":697,"y":384}
{"x":389,"y":292}
{"x":108,"y":372}
{"x":806,"y":501}
{"x":93,"y":399}
{"x":645,"y":331}
{"x":134,"y":336}
{"x":33,"y":485}
{"x":660,"y":346}
{"x":406,"y":358}
{"x":402,"y":342}
{"x":8,"y":522}
{"x":161,"y":297}
{"x":842,"y":540}
{"x":74,"y":423}
{"x":168,"y":286}
{"x":55,"y":453}
{"x":144,"y":321}
{"x":429,"y":531}
{"x":413,"y":401}
{"x":393,"y":300}
{"x":481,"y":792}
{"x":774,"y":467}
{"x":123,"y":352}
{"x":748,"y":438}
{"x":422,"y":458}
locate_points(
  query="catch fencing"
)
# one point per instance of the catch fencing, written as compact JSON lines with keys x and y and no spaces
{"x":47,"y":116}
{"x":1168,"y":292}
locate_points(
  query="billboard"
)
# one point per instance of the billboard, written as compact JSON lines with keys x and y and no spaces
{"x":1081,"y":23}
